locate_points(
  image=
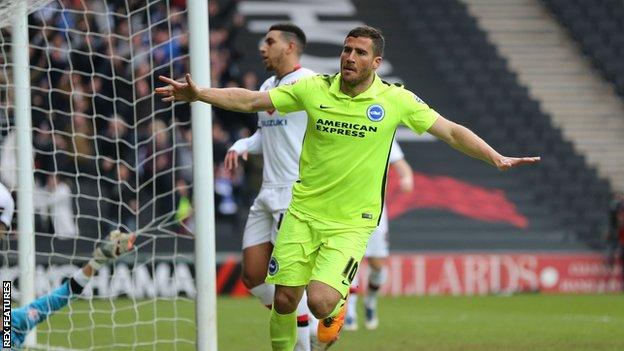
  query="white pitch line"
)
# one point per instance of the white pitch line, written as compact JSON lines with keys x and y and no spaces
{"x":50,"y":348}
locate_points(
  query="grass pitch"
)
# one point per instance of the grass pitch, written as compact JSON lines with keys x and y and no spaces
{"x":524,"y":322}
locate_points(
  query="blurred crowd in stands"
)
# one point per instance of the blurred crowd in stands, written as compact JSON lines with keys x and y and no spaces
{"x":96,"y":121}
{"x":105,"y":147}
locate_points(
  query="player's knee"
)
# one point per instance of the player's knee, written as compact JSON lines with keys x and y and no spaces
{"x":321,"y":306}
{"x":285,"y":301}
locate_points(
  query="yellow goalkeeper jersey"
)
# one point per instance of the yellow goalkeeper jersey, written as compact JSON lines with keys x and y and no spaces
{"x":344,"y":157}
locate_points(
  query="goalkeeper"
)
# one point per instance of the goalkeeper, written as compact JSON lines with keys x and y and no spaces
{"x":24,"y":319}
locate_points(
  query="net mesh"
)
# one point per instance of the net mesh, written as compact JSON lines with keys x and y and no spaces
{"x":9,"y":7}
{"x":108,"y":154}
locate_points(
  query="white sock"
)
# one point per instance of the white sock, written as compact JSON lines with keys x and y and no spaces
{"x":313,"y":322}
{"x":303,"y":324}
{"x":352,"y":306}
{"x":81,"y":278}
{"x":353,"y":297}
{"x":376,"y":278}
{"x":264,"y":292}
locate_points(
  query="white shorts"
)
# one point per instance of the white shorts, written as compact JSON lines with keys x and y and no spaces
{"x":378,"y":242}
{"x":7,"y":206}
{"x":265,"y":215}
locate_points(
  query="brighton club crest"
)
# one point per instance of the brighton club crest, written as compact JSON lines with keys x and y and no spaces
{"x":273,"y":266}
{"x":375,"y":112}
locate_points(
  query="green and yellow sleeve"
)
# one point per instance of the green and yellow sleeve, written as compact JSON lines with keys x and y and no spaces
{"x":417,"y":115}
{"x":289,"y":98}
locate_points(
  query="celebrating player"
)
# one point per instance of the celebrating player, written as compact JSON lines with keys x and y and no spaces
{"x":279,"y":139}
{"x":337,"y":200}
{"x":377,"y":251}
{"x":25,"y":318}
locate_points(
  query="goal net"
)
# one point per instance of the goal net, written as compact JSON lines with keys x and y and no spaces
{"x":108,"y":155}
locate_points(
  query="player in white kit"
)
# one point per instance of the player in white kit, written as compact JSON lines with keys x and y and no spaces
{"x":278,"y":139}
{"x":377,"y":251}
{"x":7,"y":208}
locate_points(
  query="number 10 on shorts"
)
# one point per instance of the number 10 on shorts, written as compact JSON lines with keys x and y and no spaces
{"x":350,"y":269}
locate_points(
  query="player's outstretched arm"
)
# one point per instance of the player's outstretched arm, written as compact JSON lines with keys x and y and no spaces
{"x":233,"y":99}
{"x":464,"y":140}
{"x":25,"y":318}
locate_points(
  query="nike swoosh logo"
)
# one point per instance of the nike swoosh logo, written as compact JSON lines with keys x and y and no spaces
{"x":323,"y":107}
{"x":346,"y":282}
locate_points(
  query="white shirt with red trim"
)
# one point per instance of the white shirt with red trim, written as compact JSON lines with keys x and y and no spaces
{"x":279,"y":137}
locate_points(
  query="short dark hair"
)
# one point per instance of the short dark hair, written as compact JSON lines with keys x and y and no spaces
{"x":374,"y":34}
{"x":291,"y":31}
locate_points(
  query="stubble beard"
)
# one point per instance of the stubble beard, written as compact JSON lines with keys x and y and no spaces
{"x":358,"y":79}
{"x":269,"y":66}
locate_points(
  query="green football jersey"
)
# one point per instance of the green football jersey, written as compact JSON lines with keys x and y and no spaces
{"x":344,"y":157}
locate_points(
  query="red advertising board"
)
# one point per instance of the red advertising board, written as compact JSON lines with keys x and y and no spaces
{"x":408,"y":274}
{"x":478,"y":274}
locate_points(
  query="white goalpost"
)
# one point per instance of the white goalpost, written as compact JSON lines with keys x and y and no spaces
{"x":21,"y":77}
{"x":205,"y":261}
{"x":86,"y":147}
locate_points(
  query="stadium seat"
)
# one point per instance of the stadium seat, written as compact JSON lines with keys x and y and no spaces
{"x":597,"y":26}
{"x":501,"y":110}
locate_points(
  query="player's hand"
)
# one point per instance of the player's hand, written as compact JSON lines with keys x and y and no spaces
{"x":231,"y":159}
{"x":505,"y":163}
{"x":406,"y":184}
{"x":178,"y":91}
